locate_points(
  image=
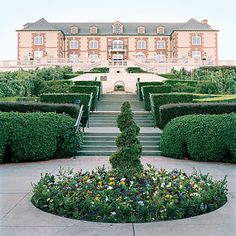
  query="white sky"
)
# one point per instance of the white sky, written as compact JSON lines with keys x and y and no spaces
{"x":221,"y":15}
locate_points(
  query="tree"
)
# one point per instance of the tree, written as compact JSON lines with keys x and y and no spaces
{"x":126,"y":160}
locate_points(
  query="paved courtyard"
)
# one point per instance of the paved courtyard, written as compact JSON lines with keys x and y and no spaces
{"x":19,"y":217}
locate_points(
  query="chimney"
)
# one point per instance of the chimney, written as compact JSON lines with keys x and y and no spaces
{"x":204,"y":22}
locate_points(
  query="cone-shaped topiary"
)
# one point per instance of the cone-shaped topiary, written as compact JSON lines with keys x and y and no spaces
{"x":126,"y":160}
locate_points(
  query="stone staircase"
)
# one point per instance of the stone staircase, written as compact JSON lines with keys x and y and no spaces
{"x":99,"y":138}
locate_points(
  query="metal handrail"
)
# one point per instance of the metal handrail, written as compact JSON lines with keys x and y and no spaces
{"x":76,"y":129}
{"x":89,"y":107}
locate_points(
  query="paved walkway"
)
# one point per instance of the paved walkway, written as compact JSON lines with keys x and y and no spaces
{"x":19,"y":217}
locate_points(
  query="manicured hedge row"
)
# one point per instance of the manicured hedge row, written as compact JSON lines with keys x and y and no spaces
{"x":171,"y":111}
{"x":160,"y":99}
{"x":184,"y":82}
{"x":146,"y":90}
{"x":135,"y":70}
{"x":87,"y":90}
{"x":35,"y":136}
{"x":201,"y":137}
{"x":99,"y":70}
{"x":141,"y":84}
{"x":68,"y":98}
{"x":71,"y":76}
{"x":168,"y":76}
{"x":19,"y":99}
{"x":226,"y":98}
{"x":69,"y":109}
{"x":89,"y":83}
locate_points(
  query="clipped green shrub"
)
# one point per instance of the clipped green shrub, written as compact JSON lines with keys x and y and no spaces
{"x":181,"y":88}
{"x":35,"y":136}
{"x":136,"y":70}
{"x":171,"y":111}
{"x":139,"y":86}
{"x":90,"y":83}
{"x":225,"y":98}
{"x":201,"y":137}
{"x":87,"y":90}
{"x":126,"y":160}
{"x":73,"y":75}
{"x":207,"y":87}
{"x":168,"y":76}
{"x":99,"y":70}
{"x":147,"y":90}
{"x":69,"y":109}
{"x":173,"y":82}
{"x":160,"y":99}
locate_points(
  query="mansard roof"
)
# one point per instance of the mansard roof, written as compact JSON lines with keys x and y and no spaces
{"x":106,"y":28}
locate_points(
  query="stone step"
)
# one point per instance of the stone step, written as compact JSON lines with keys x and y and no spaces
{"x":109,"y":138}
{"x":114,"y":148}
{"x":92,"y":134}
{"x":108,"y":153}
{"x":112,"y":143}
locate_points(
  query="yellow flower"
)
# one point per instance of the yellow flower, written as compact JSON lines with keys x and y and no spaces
{"x":111,"y":178}
{"x":122,"y":183}
{"x":97,"y":198}
{"x":111,"y":183}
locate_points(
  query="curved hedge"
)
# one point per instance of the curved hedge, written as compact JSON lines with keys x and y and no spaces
{"x":141,"y":84}
{"x":35,"y":136}
{"x":146,"y":90}
{"x":70,"y":109}
{"x":166,"y":98}
{"x":201,"y":137}
{"x":183,"y":82}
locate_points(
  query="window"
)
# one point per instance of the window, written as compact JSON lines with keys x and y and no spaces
{"x":74,"y":58}
{"x":117,"y":29}
{"x":93,"y":56}
{"x":117,"y":44}
{"x":196,"y":55}
{"x":74,"y":30}
{"x":38,"y":54}
{"x":160,"y":30}
{"x":141,"y":44}
{"x":160,"y":57}
{"x":141,"y":30}
{"x":196,"y":40}
{"x":93,"y":30}
{"x":117,"y":56}
{"x":73,"y":44}
{"x":38,"y":40}
{"x":160,"y":44}
{"x":93,"y":44}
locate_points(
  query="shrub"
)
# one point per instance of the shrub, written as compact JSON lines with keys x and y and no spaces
{"x":173,"y":82}
{"x":68,"y":98}
{"x":99,"y":70}
{"x":207,"y":87}
{"x":141,"y":84}
{"x":90,"y":83}
{"x":69,"y":109}
{"x":147,"y":90}
{"x":181,"y":88}
{"x":158,"y":100}
{"x":168,"y":76}
{"x":126,"y":160}
{"x":73,"y":75}
{"x":225,"y":98}
{"x":154,"y":195}
{"x":87,"y":90}
{"x":201,"y":137}
{"x":171,"y":111}
{"x":136,"y":70}
{"x":35,"y":136}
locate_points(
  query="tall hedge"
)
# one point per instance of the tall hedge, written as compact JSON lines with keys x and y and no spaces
{"x":89,"y":83}
{"x":201,"y":137}
{"x":35,"y":136}
{"x":224,"y":98}
{"x":87,"y":90}
{"x":70,"y":109}
{"x":146,"y":90}
{"x":184,"y":82}
{"x":139,"y":86}
{"x":171,"y":111}
{"x":160,"y":99}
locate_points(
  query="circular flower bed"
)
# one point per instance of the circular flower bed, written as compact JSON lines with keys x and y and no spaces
{"x":153,"y":195}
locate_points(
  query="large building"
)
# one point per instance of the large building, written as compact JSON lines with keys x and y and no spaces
{"x":118,"y":41}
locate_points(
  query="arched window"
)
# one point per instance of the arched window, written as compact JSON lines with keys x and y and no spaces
{"x":117,"y":28}
{"x":160,"y":30}
{"x":93,"y":30}
{"x":141,"y":44}
{"x":117,"y":44}
{"x":141,"y":30}
{"x":93,"y":44}
{"x":196,"y":40}
{"x":73,"y":44}
{"x":74,"y":30}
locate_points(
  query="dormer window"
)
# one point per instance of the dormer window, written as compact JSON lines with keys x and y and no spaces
{"x":141,"y":30}
{"x":74,"y":30}
{"x":93,"y":30}
{"x":117,"y":28}
{"x":160,"y":30}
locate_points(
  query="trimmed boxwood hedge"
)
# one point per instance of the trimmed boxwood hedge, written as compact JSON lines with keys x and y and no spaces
{"x":87,"y":90}
{"x":168,"y":76}
{"x":201,"y":137}
{"x":225,"y":98}
{"x":160,"y":99}
{"x":139,"y":86}
{"x":146,"y":90}
{"x":35,"y":136}
{"x":89,"y":83}
{"x":192,"y":83}
{"x":69,"y":109}
{"x":171,"y":111}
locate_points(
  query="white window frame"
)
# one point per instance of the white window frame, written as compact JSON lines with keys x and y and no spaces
{"x":197,"y":55}
{"x":93,"y":56}
{"x":74,"y":58}
{"x":93,"y":30}
{"x":93,"y":44}
{"x":74,"y":30}
{"x":160,"y":57}
{"x":74,"y":44}
{"x":141,"y":30}
{"x":161,"y":44}
{"x":160,"y":30}
{"x":196,"y":40}
{"x":118,"y":56}
{"x":141,"y":44}
{"x":117,"y":44}
{"x":117,"y":29}
{"x":38,"y":54}
{"x":38,"y":40}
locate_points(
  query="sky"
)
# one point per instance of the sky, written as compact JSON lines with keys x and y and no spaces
{"x":220,"y":14}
